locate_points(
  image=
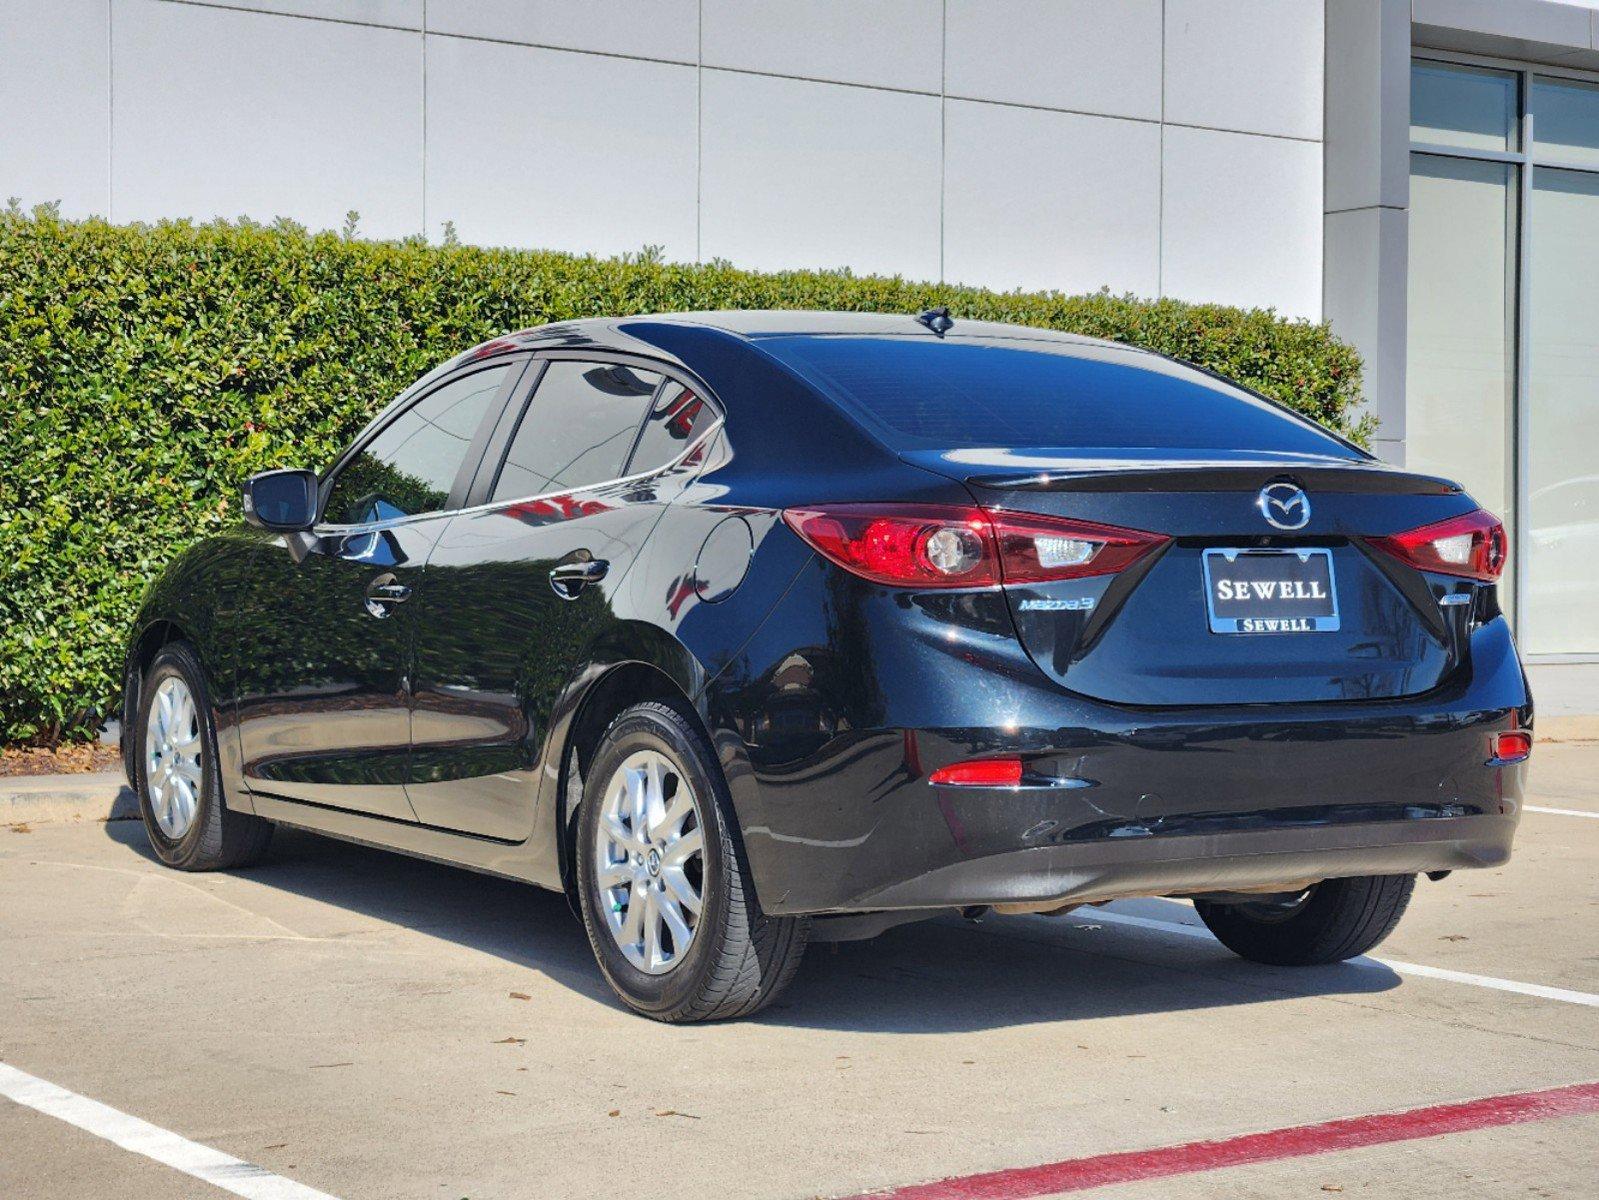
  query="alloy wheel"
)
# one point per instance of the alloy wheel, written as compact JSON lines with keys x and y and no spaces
{"x":649,"y":861}
{"x":173,"y":750}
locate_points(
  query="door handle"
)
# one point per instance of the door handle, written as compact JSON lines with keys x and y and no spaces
{"x":383,"y":593}
{"x":570,"y":578}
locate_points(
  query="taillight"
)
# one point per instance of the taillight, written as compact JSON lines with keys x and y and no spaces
{"x":1040,"y":549}
{"x":908,"y":545}
{"x":1472,"y":545}
{"x":949,"y":546}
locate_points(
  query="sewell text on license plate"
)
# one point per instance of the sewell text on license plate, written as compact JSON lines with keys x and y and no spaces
{"x":1270,"y":591}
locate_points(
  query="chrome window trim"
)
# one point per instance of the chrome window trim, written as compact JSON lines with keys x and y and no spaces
{"x":711,"y":431}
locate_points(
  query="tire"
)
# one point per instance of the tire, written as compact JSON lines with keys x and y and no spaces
{"x":736,"y":960}
{"x":190,"y":828}
{"x":1335,"y":920}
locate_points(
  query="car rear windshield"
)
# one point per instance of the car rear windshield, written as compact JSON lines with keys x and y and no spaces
{"x":947,"y":394}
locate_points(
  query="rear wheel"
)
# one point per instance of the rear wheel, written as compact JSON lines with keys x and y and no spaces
{"x":662,"y":883}
{"x":1337,"y":919}
{"x":180,"y":792}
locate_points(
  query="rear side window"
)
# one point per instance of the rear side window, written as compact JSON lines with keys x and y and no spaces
{"x":949,"y":394}
{"x":410,"y":466}
{"x":577,"y":429}
{"x":677,"y":417}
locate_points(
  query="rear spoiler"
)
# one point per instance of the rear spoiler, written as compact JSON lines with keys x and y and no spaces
{"x":1355,"y":479}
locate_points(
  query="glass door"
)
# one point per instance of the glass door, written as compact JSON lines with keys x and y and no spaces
{"x":1562,"y":524}
{"x":1502,"y":390}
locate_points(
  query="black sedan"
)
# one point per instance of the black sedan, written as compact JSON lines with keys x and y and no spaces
{"x":753,"y":629}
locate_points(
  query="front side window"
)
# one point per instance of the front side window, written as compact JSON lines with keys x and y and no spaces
{"x":410,"y":466}
{"x":577,"y":429}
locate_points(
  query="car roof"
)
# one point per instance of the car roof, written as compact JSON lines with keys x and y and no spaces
{"x":694,"y":341}
{"x":621,"y":333}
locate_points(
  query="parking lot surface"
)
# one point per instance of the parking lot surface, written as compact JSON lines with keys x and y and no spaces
{"x":367,"y":1025}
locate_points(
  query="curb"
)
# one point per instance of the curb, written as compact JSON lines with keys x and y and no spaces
{"x":1563,"y":728}
{"x":105,"y":796}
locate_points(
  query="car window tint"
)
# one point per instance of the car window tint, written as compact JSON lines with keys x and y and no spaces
{"x":676,"y":419}
{"x":577,"y":429}
{"x":410,"y":466}
{"x":949,"y":394}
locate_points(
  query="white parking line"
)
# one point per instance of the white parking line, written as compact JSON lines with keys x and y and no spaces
{"x":214,"y":1167}
{"x":1561,"y":812}
{"x":1542,"y":991}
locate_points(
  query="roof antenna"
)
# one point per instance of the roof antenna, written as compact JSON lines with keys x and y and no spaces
{"x":938,"y":320}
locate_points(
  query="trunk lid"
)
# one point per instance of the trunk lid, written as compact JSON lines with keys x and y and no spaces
{"x":1151,"y":635}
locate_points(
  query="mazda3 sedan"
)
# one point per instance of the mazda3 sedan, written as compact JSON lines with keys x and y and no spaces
{"x":754,"y":629}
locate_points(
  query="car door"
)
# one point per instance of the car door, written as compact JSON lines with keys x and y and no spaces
{"x":521,"y":583}
{"x":324,"y":686}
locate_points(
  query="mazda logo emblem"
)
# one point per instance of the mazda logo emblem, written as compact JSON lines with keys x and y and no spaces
{"x":1284,"y":505}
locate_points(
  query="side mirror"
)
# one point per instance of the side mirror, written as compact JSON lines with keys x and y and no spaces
{"x":283,"y":501}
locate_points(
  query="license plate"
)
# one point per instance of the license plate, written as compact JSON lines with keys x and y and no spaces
{"x":1270,"y":591}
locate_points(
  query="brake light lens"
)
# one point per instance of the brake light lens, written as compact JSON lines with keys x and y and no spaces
{"x":953,"y":546}
{"x":1473,"y":546}
{"x":980,"y":772}
{"x":1042,"y":549}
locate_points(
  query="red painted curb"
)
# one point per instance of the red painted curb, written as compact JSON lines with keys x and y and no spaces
{"x":1296,"y":1141}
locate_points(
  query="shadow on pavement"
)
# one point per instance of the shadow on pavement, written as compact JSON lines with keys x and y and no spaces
{"x":124,"y":805}
{"x":940,"y":976}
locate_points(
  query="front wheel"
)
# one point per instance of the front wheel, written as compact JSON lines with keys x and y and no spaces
{"x":180,"y":790}
{"x":664,"y":890}
{"x":1337,"y":919}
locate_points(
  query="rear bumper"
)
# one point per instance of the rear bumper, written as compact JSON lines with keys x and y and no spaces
{"x":1152,"y":801}
{"x":1177,"y":865}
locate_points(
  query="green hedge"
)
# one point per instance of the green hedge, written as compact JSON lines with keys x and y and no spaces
{"x":146,"y":371}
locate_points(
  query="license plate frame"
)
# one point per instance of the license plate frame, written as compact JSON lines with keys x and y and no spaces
{"x":1277,"y":622}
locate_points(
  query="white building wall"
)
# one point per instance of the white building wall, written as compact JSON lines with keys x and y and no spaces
{"x":1162,"y":147}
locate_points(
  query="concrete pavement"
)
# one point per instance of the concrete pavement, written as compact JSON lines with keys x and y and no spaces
{"x":373,"y":1026}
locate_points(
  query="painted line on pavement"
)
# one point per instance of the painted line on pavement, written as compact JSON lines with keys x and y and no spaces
{"x":1560,"y":812}
{"x":202,"y":1162}
{"x":1542,"y":991}
{"x":1296,"y":1141}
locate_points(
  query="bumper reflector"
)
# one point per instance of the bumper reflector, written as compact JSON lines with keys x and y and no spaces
{"x":1513,"y":746}
{"x":980,"y":772}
